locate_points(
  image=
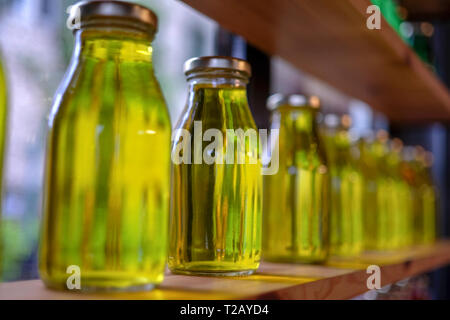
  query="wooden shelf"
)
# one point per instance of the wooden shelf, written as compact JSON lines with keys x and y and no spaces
{"x":329,"y":39}
{"x":337,"y":280}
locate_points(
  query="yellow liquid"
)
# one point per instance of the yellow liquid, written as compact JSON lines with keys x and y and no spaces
{"x":346,"y":214}
{"x":296,"y":199}
{"x":399,"y":204}
{"x":108,"y":169}
{"x":425,"y":212}
{"x":216,"y":208}
{"x":388,"y":201}
{"x":3,"y":120}
{"x":427,"y":234}
{"x":377,"y":205}
{"x":371,"y":182}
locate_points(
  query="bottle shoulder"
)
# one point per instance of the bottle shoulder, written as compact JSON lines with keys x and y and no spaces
{"x":103,"y":87}
{"x":220,"y":108}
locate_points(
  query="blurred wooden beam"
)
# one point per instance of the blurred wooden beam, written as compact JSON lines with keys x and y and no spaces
{"x":423,"y":10}
{"x":329,"y":39}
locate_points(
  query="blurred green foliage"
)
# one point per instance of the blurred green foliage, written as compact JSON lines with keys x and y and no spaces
{"x":17,"y":242}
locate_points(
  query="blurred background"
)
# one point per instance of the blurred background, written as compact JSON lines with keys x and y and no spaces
{"x":35,"y":48}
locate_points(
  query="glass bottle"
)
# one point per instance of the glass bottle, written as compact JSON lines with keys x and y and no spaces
{"x":108,"y":161}
{"x":399,"y":198}
{"x":371,"y":176}
{"x":3,"y":123}
{"x":3,"y":117}
{"x":346,"y":213}
{"x":377,"y":226}
{"x":296,"y":198}
{"x":421,"y":183}
{"x":215,"y":216}
{"x":430,"y":199}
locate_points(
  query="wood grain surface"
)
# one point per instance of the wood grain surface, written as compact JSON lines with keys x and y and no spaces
{"x":338,"y":279}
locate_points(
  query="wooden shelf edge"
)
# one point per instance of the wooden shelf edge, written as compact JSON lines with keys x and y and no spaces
{"x":350,"y":285}
{"x":337,"y":280}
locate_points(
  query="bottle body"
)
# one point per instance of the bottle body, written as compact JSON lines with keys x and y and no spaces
{"x":296,"y":198}
{"x":388,"y":199}
{"x":3,"y":117}
{"x":372,"y":177}
{"x":378,"y":226}
{"x":400,"y":202}
{"x":346,"y":213}
{"x":215,"y":218}
{"x":3,"y":124}
{"x":427,"y":233}
{"x":426,"y":197}
{"x":107,"y":168}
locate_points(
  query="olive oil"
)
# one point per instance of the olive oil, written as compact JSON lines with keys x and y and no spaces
{"x":429,"y":201}
{"x":400,"y":199}
{"x":425,"y":195}
{"x":370,"y":206}
{"x":388,"y":199}
{"x":216,"y":208}
{"x":346,"y":213}
{"x":3,"y":123}
{"x":376,"y":206}
{"x":3,"y":118}
{"x":296,"y":198}
{"x":108,"y":163}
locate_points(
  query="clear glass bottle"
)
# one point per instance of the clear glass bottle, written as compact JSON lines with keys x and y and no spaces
{"x":430,"y":201}
{"x":107,"y":181}
{"x":3,"y":124}
{"x":346,"y":213}
{"x":418,"y":174}
{"x":3,"y":117}
{"x":371,"y":176}
{"x":378,"y":228}
{"x":400,"y":199}
{"x":215,"y":216}
{"x":296,"y":198}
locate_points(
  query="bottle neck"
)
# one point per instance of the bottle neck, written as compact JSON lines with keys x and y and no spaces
{"x":220,"y":89}
{"x":221,"y":81}
{"x":113,"y":44}
{"x":340,"y":137}
{"x":300,"y":119}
